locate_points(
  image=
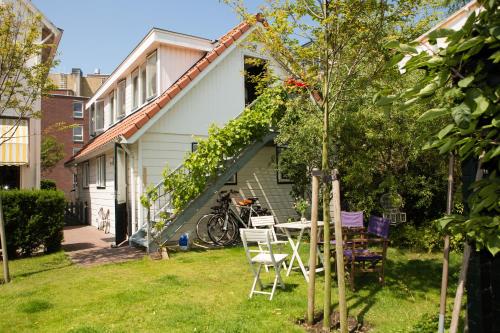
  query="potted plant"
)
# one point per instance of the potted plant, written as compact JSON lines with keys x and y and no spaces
{"x":301,"y":206}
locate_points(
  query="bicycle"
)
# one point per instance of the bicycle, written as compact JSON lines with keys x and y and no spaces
{"x":223,"y":227}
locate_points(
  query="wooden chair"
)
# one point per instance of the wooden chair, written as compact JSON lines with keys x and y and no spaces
{"x":263,"y":258}
{"x":361,"y":257}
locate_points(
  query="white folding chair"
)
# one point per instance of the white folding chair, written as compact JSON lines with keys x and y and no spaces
{"x":263,"y":257}
{"x":267,"y":222}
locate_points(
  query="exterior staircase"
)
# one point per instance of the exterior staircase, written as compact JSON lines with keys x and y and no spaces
{"x":162,"y":206}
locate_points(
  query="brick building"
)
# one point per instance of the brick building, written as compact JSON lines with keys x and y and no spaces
{"x":66,"y":105}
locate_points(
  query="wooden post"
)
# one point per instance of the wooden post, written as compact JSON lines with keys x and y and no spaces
{"x":457,"y":305}
{"x":446,"y":251}
{"x":313,"y":246}
{"x":3,"y":240}
{"x":339,"y":252}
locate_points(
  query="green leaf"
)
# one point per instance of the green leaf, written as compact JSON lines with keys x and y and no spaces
{"x":433,"y":114}
{"x":466,"y":81}
{"x":428,"y":89}
{"x":495,"y":57}
{"x":461,"y":115}
{"x":405,"y":48}
{"x":493,"y":244}
{"x":469,"y":43}
{"x":441,"y":33}
{"x":395,"y":60}
{"x":385,"y":100}
{"x":442,"y":133}
{"x":495,"y":32}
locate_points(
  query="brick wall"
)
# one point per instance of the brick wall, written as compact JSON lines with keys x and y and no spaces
{"x":55,"y":109}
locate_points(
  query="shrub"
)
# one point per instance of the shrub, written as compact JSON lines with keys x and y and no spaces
{"x":33,"y":219}
{"x":48,"y":184}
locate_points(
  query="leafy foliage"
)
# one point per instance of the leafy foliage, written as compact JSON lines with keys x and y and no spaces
{"x":461,"y":82}
{"x":33,"y":219}
{"x":52,"y":152}
{"x":211,"y":155}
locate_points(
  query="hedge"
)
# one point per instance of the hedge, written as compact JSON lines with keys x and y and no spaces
{"x":34,"y":219}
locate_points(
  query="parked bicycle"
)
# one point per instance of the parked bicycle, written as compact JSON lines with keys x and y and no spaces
{"x":225,"y":232}
{"x":223,"y":227}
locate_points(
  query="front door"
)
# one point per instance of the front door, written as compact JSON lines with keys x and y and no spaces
{"x":121,"y":173}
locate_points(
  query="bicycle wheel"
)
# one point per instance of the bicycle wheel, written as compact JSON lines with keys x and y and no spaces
{"x":220,"y":232}
{"x":202,"y":228}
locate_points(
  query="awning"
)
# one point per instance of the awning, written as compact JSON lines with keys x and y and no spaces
{"x":14,"y":141}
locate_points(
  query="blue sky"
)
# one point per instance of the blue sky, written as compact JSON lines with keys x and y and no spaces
{"x":101,"y":33}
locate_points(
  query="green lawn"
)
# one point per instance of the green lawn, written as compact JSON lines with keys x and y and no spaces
{"x":200,"y":292}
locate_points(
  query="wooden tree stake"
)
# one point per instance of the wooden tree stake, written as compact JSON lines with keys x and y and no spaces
{"x":446,"y":250}
{"x":313,"y":248}
{"x":339,"y":252}
{"x":3,"y":240}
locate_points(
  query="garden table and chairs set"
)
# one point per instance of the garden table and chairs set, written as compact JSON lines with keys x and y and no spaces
{"x":365,"y":249}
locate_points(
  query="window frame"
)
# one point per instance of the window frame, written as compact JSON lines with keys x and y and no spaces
{"x":111,"y":104}
{"x":96,"y":116}
{"x":85,"y":174}
{"x":135,"y":91}
{"x":142,"y":84}
{"x":81,"y":112}
{"x":121,"y":99}
{"x":100,"y":172}
{"x":81,"y":135}
{"x":149,"y":82}
{"x":92,"y":120}
{"x":76,"y":150}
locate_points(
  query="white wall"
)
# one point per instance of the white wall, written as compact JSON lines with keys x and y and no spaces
{"x":174,"y":62}
{"x":99,"y":197}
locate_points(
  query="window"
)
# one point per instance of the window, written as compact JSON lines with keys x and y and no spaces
{"x":101,"y":171}
{"x":135,"y":89}
{"x":78,"y":133}
{"x":92,"y":120}
{"x":76,"y":150}
{"x":281,"y":177}
{"x":143,"y":84}
{"x":255,"y":70}
{"x":120,"y":100}
{"x":85,"y":175}
{"x":77,"y":109}
{"x":75,"y":181}
{"x":112,"y":106}
{"x":151,"y":75}
{"x":99,"y":116}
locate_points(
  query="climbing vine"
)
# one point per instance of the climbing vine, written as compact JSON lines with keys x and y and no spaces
{"x":212,"y":153}
{"x":462,"y":83}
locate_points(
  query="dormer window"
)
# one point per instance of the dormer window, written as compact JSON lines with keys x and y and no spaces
{"x":99,"y":116}
{"x":120,"y":105}
{"x":112,"y":106}
{"x":143,"y":84}
{"x":151,"y":69}
{"x":135,"y":89}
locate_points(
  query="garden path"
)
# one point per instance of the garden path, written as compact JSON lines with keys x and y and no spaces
{"x":86,"y":245}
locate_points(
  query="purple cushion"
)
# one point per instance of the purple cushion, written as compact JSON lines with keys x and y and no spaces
{"x":362,"y":255}
{"x":352,"y":219}
{"x":379,"y":226}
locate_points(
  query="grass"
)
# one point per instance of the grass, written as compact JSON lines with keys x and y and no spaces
{"x":201,"y":292}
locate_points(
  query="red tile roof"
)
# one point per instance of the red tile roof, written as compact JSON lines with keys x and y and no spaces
{"x":132,"y":123}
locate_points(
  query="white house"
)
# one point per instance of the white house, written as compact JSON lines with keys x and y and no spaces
{"x":20,"y":153}
{"x":167,"y":91}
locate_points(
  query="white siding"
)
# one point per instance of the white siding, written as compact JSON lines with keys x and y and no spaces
{"x":98,"y":198}
{"x":174,"y":62}
{"x":217,"y":98}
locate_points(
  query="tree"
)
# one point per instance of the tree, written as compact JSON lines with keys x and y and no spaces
{"x":23,"y":79}
{"x":331,"y":50}
{"x":52,"y":152}
{"x":461,"y":83}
